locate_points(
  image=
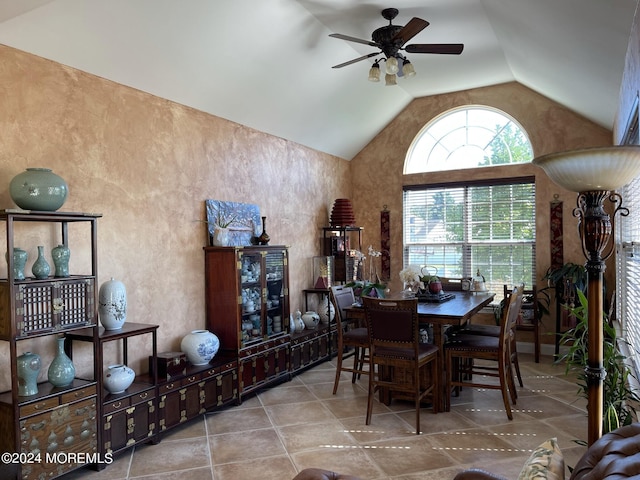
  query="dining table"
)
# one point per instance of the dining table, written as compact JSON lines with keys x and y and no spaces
{"x":457,"y":310}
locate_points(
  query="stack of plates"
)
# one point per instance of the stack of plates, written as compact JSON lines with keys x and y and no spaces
{"x":342,"y":213}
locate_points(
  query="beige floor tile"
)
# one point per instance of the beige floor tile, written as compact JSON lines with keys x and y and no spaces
{"x":272,"y":468}
{"x":297,"y":438}
{"x":408,"y":455}
{"x":286,"y":394}
{"x":204,"y":473}
{"x":237,"y":420}
{"x":245,"y":446}
{"x":169,"y":456}
{"x":193,"y":429}
{"x":298,"y":413}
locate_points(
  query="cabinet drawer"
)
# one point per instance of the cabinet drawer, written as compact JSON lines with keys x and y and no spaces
{"x":39,"y":406}
{"x":115,"y":405}
{"x":212,"y":372}
{"x":167,"y":387}
{"x":190,"y":379}
{"x":78,"y":394}
{"x":143,"y":396}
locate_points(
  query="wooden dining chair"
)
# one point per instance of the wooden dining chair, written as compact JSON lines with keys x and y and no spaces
{"x":396,"y":355}
{"x":494,"y":331}
{"x":493,"y":355}
{"x":350,"y":335}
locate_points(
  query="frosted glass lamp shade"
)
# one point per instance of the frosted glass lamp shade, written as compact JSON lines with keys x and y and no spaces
{"x":374,"y":73}
{"x":592,"y":169}
{"x":407,"y":69}
{"x":392,"y":65}
{"x":390,"y":80}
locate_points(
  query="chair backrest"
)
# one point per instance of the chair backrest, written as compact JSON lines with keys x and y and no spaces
{"x":510,"y":314}
{"x":392,"y":323}
{"x":342,"y":297}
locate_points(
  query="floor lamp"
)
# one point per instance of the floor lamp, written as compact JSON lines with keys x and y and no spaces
{"x":594,"y":173}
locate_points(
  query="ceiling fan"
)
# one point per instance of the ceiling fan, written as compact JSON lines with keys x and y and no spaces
{"x":391,"y":39}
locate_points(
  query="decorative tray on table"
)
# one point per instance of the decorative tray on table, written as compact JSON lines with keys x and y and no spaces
{"x":435,"y":297}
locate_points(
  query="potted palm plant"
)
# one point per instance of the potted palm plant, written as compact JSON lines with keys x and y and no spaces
{"x":619,"y":396}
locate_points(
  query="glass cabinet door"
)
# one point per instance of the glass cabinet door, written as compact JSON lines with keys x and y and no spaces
{"x":251,"y":291}
{"x":275,"y":284}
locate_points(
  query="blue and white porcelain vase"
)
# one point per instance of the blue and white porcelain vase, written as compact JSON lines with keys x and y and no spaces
{"x":200,"y":346}
{"x":117,"y":378}
{"x":61,"y":371}
{"x":38,"y":189}
{"x":28,"y":365}
{"x":112,"y":304}
{"x":41,"y":268}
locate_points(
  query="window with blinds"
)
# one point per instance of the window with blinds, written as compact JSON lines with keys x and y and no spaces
{"x":462,"y":228}
{"x":628,"y":270}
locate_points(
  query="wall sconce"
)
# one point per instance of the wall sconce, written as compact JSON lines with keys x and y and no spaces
{"x":594,"y":173}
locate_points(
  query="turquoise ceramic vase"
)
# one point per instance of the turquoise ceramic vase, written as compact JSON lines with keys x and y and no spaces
{"x":19,"y":262}
{"x":40,"y":268}
{"x":60,"y":255}
{"x":38,"y":189}
{"x":61,"y":371}
{"x":28,"y":365}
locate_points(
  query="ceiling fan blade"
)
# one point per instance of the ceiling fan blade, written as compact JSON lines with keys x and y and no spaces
{"x":364,"y":57}
{"x":443,"y":48}
{"x":410,"y":30}
{"x":353,"y":39}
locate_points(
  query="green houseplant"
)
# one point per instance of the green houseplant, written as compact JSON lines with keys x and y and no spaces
{"x":619,"y":397}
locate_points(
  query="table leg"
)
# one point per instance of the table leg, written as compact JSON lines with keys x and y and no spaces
{"x":438,"y":339}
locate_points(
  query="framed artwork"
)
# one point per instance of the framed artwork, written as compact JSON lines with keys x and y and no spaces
{"x":243,"y":219}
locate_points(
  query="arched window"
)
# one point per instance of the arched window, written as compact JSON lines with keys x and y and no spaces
{"x":468,"y":137}
{"x":470,"y":225}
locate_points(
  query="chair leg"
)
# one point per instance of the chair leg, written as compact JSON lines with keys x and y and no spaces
{"x":517,"y":365}
{"x":437,"y":391}
{"x":449,"y":373}
{"x":504,"y":381}
{"x":416,"y":394}
{"x":338,"y":370}
{"x":356,"y":363}
{"x":371,"y":392}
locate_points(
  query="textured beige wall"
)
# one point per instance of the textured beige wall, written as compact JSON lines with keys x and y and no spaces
{"x":378,"y":179}
{"x":147,"y":165}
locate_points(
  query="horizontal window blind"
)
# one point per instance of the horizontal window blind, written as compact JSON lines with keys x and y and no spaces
{"x":628,"y":270}
{"x":460,"y":229}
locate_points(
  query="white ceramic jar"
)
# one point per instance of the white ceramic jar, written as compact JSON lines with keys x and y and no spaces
{"x":117,"y":378}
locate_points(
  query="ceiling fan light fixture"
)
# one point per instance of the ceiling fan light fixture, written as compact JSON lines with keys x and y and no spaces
{"x":389,"y":80}
{"x":392,"y":65}
{"x":374,"y":72}
{"x":407,"y":69}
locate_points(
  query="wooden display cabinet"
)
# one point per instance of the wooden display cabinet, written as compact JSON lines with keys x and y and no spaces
{"x":202,"y":389}
{"x":310,"y":347}
{"x":247,"y":307}
{"x":58,"y":420}
{"x":341,"y":243}
{"x":130,"y":417}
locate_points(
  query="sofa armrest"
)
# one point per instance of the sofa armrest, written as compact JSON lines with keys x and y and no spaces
{"x":477,"y":474}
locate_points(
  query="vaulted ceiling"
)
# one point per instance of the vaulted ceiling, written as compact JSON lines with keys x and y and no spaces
{"x":267,"y":63}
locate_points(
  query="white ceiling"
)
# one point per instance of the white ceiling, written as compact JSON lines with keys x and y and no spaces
{"x":267,"y":63}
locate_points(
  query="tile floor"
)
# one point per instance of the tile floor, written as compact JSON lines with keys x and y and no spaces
{"x":299,"y":424}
